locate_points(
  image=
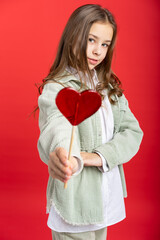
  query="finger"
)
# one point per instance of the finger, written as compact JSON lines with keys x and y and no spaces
{"x":62,"y":154}
{"x":70,"y":165}
{"x":56,"y":176}
{"x":55,"y":163}
{"x":62,"y":168}
{"x":61,"y":174}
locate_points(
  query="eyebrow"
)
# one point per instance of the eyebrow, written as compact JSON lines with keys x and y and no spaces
{"x":97,"y":37}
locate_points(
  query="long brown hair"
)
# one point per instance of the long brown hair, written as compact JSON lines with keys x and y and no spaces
{"x":72,"y":48}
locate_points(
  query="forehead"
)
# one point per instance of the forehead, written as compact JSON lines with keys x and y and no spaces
{"x":103,"y":31}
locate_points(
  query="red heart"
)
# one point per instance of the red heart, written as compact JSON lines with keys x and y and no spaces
{"x":76,"y":106}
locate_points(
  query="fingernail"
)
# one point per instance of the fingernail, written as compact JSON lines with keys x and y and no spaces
{"x":67,"y":176}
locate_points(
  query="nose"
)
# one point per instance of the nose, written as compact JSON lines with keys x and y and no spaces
{"x":97,"y":50}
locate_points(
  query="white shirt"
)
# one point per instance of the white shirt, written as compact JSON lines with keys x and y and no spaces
{"x":112,"y":193}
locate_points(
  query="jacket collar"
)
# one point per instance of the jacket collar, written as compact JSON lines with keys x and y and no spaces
{"x":71,"y":74}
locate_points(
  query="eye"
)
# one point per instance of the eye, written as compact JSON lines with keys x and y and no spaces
{"x":91,"y":40}
{"x":105,"y":45}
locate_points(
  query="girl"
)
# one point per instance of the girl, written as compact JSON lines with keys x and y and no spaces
{"x":94,"y":198}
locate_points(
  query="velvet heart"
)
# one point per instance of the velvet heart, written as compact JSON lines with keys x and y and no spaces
{"x":77,"y":106}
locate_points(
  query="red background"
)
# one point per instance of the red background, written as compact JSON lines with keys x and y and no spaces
{"x":30,"y":31}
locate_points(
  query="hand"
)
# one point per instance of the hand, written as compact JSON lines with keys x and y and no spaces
{"x":91,"y":159}
{"x":59,"y":167}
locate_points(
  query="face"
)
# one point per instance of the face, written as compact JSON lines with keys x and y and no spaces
{"x":99,"y":39}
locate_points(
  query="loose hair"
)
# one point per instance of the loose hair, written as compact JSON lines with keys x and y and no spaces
{"x":73,"y":44}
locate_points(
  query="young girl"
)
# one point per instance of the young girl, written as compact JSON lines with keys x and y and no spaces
{"x":94,"y":198}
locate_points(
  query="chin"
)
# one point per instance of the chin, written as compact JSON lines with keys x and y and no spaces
{"x":91,"y":67}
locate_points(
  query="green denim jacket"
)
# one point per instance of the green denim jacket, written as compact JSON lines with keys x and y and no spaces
{"x":81,"y":202}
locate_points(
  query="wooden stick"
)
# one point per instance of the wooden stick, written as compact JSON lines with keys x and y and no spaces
{"x":70,"y":149}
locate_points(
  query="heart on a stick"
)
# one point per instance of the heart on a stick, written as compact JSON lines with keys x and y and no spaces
{"x":77,"y":106}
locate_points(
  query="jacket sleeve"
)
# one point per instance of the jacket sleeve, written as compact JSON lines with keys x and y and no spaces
{"x":127,"y":136}
{"x":55,"y":129}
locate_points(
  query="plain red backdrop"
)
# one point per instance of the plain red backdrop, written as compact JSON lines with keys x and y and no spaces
{"x":30,"y":31}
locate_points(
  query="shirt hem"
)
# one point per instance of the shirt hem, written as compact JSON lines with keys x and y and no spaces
{"x":80,"y":231}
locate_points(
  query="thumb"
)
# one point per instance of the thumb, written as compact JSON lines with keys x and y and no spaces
{"x":62,"y":154}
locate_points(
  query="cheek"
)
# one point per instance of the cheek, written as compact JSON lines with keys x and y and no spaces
{"x":104,"y":54}
{"x":89,"y":49}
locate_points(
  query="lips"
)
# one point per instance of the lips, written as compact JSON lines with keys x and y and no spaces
{"x":92,"y":61}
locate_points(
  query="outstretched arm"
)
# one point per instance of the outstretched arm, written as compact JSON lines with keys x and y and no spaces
{"x":55,"y":133}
